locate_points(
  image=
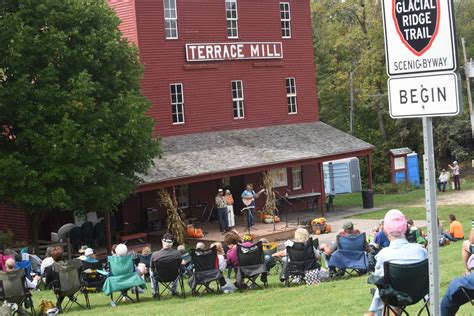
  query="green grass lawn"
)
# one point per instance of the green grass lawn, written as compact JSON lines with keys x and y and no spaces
{"x":391,"y":199}
{"x":341,"y":297}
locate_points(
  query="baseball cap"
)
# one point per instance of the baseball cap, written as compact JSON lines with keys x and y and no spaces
{"x":395,"y":223}
{"x":220,"y":190}
{"x":168,"y":238}
{"x":348,"y":226}
{"x":88,"y":252}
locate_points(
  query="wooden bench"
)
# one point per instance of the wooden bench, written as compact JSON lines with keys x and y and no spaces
{"x":136,"y":236}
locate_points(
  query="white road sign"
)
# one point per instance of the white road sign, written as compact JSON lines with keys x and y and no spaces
{"x":419,"y":36}
{"x":424,"y":95}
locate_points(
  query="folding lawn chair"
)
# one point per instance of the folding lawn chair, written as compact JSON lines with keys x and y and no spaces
{"x":205,"y":272}
{"x":403,"y":285}
{"x":99,"y":233}
{"x":122,"y":278}
{"x":12,"y":290}
{"x":350,"y":256}
{"x":168,"y":274}
{"x":87,"y":234}
{"x":25,"y":265}
{"x":301,"y":258}
{"x":91,"y":276}
{"x":251,"y":265}
{"x":68,"y":284}
{"x":459,"y":292}
{"x":75,"y":236}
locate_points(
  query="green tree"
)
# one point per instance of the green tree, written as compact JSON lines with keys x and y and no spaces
{"x":70,"y":89}
{"x":348,"y":37}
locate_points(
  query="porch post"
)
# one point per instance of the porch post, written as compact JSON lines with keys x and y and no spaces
{"x":321,"y":186}
{"x":108,"y":233}
{"x":369,"y":168}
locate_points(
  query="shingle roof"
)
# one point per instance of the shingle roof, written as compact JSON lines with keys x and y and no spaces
{"x":400,"y":151}
{"x":213,"y":152}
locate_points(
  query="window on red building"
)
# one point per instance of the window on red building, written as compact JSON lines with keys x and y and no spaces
{"x":182,"y":195}
{"x":296,"y":177}
{"x":177,"y":103}
{"x":280,"y":177}
{"x":171,"y":19}
{"x":285,"y":19}
{"x":238,"y":99}
{"x":232,"y":18}
{"x":291,"y":95}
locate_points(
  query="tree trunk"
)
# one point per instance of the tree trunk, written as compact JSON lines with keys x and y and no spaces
{"x":379,"y":106}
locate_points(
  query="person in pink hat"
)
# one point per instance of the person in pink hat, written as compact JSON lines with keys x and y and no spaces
{"x":400,"y":251}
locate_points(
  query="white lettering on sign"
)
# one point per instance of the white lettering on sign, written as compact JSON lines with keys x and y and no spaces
{"x":419,"y":36}
{"x":233,"y":51}
{"x":428,"y":95}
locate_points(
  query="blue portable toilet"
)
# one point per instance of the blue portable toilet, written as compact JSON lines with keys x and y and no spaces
{"x":413,"y":170}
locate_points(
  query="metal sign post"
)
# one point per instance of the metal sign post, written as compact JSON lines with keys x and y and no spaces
{"x":431,"y":215}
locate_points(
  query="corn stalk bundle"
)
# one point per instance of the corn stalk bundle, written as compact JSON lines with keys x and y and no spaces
{"x":270,"y":203}
{"x":176,"y":227}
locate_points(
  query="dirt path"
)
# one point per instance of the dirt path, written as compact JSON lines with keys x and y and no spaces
{"x":463,"y":197}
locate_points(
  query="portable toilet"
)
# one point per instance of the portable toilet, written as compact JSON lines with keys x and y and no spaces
{"x":413,"y":170}
{"x":399,"y":165}
{"x":342,"y":176}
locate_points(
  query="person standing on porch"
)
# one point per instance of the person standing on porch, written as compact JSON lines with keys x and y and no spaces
{"x":221,"y":205}
{"x":249,"y":192}
{"x":455,"y":169}
{"x":230,"y":208}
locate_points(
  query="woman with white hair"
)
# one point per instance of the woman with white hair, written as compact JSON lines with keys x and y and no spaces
{"x":301,"y":236}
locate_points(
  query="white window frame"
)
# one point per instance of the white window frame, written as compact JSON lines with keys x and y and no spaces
{"x":238,"y":103}
{"x":232,"y":19}
{"x":280,"y":177}
{"x":174,"y":105}
{"x":172,"y":18}
{"x":182,"y":196}
{"x":296,"y":173}
{"x":285,"y":20}
{"x":291,"y":95}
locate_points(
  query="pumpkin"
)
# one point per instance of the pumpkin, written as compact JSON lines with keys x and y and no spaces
{"x":190,"y":231}
{"x":318,"y":232}
{"x":276,"y":219}
{"x":328,"y":228}
{"x":198,"y":233}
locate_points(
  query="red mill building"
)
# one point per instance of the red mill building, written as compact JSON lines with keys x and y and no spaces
{"x":233,"y":92}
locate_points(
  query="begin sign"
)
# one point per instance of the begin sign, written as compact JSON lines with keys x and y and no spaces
{"x":233,"y":51}
{"x":424,"y":95}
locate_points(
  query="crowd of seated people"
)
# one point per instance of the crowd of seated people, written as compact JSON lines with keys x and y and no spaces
{"x":396,"y":239}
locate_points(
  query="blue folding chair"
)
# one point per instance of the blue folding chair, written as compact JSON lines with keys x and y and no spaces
{"x":25,"y":265}
{"x":350,"y":256}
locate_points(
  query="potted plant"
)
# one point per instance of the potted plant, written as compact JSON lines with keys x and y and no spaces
{"x":319,"y":225}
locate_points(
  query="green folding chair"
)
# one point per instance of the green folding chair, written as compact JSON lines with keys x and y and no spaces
{"x":68,"y":284}
{"x":403,"y":285}
{"x":122,"y":278}
{"x":12,"y":290}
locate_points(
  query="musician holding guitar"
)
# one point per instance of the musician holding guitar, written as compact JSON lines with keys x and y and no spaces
{"x":249,"y":198}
